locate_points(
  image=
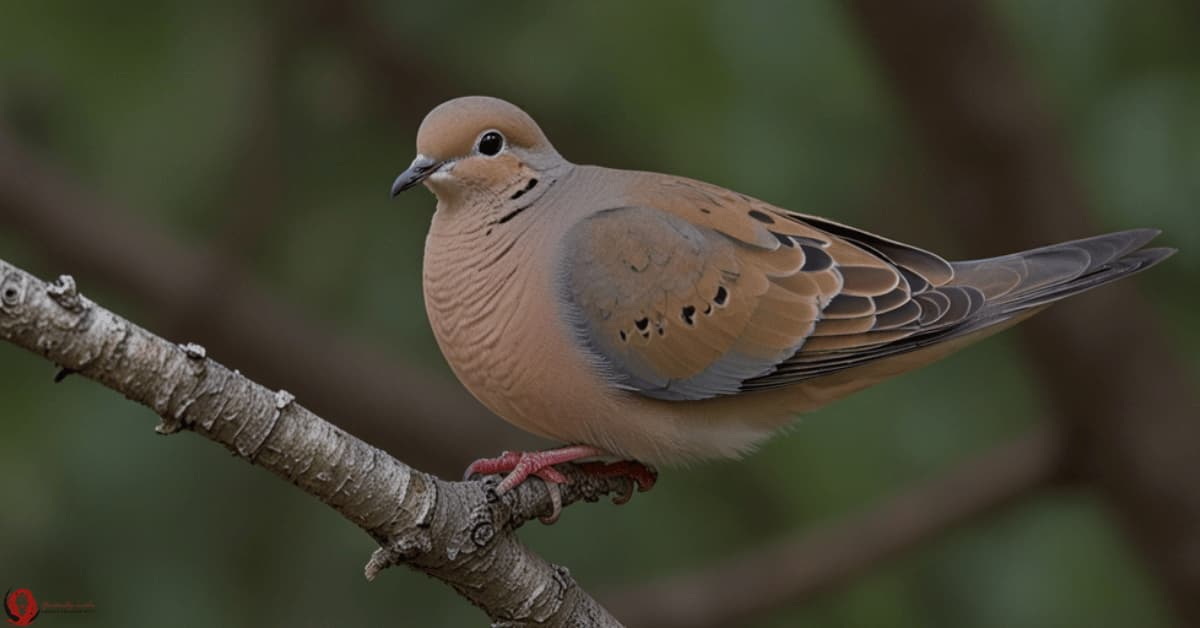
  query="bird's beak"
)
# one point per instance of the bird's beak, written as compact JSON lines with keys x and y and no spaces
{"x":421,"y":167}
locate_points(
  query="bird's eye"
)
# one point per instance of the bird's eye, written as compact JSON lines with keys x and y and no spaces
{"x":491,"y":143}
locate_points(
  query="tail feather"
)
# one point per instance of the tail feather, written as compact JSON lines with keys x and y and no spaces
{"x":1019,"y":281}
{"x":1123,"y":267}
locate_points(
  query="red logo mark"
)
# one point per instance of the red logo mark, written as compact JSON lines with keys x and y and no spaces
{"x":20,"y":607}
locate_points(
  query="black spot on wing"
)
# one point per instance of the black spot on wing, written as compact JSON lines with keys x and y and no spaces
{"x":722,"y":296}
{"x":688,"y":314}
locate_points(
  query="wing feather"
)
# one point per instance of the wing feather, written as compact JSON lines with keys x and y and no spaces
{"x":688,"y":291}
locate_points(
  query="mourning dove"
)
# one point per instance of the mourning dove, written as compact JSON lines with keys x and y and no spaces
{"x":659,"y":319}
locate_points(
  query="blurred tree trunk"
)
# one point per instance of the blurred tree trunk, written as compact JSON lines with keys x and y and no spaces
{"x":1131,"y":422}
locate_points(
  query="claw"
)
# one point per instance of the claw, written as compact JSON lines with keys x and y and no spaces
{"x":623,"y":498}
{"x":555,"y":502}
{"x":519,"y":466}
{"x":640,"y":475}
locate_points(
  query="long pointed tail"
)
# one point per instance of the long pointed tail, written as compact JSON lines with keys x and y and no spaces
{"x":984,"y":297}
{"x":1038,"y":277}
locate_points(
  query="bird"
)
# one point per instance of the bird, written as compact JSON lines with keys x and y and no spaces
{"x":653,"y":319}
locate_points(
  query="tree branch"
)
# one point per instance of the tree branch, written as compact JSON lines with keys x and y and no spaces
{"x":733,"y":592}
{"x":458,"y":532}
{"x":368,"y":391}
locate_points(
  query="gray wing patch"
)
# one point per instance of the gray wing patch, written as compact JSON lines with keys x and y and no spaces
{"x":646,"y":295}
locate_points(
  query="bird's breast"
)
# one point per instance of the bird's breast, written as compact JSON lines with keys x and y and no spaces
{"x":489,"y":296}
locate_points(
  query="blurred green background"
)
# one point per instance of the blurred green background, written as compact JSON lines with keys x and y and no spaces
{"x":272,"y":131}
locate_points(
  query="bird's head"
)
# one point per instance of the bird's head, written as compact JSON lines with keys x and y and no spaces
{"x":477,"y":145}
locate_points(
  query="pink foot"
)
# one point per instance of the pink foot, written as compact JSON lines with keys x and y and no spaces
{"x":521,"y":465}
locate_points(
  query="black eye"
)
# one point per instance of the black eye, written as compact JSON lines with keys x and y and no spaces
{"x":491,"y":143}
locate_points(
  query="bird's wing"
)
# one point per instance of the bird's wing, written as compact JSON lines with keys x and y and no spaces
{"x":694,"y":292}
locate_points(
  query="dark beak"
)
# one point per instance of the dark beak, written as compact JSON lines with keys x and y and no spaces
{"x":421,"y":167}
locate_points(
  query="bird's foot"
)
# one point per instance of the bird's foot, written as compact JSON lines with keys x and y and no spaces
{"x":519,"y":466}
{"x":642,"y":476}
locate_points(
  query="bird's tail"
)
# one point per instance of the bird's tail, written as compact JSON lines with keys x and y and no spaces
{"x":984,"y":297}
{"x":1037,"y":277}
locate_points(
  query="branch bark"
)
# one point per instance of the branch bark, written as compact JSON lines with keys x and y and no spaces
{"x":1127,"y":409}
{"x":370,"y":392}
{"x":458,"y":532}
{"x":736,"y":591}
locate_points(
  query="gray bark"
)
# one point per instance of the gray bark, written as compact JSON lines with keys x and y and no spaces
{"x":459,"y":532}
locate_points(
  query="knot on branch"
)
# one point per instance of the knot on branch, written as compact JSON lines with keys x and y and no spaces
{"x":12,"y":290}
{"x":194,"y":351}
{"x":397,"y":552}
{"x":166,"y":427}
{"x":197,"y":361}
{"x":65,"y":294}
{"x":283,"y":399}
{"x":483,"y":528}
